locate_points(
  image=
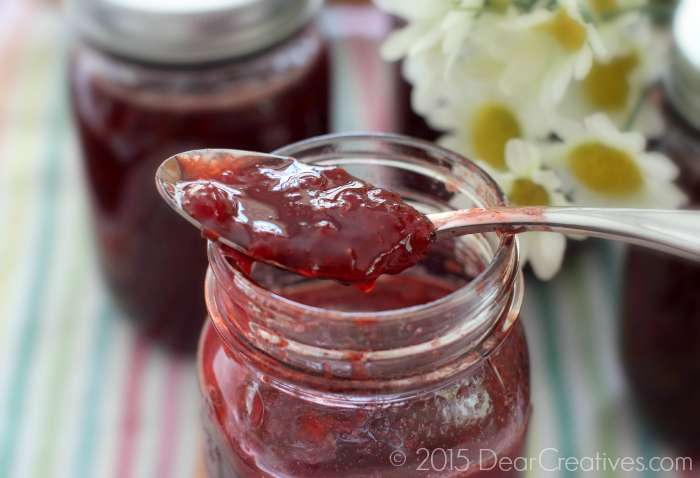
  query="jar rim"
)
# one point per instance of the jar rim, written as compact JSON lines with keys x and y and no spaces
{"x":505,"y":253}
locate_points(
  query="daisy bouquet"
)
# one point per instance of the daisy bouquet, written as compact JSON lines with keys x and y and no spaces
{"x":549,"y":96}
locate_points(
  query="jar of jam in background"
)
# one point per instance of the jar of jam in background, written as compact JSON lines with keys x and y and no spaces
{"x":661,"y":301}
{"x":426,"y":375}
{"x":150,"y":79}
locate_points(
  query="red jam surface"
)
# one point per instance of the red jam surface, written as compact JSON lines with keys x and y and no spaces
{"x":661,"y":322}
{"x":318,"y":221}
{"x":258,"y":425}
{"x":153,"y":260}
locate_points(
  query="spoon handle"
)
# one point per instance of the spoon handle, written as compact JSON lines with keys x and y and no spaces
{"x":673,"y":231}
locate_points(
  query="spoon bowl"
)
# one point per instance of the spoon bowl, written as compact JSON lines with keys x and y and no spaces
{"x":171,"y":175}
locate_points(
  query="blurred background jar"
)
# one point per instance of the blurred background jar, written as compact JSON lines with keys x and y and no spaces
{"x":152,"y":78}
{"x":661,"y":301}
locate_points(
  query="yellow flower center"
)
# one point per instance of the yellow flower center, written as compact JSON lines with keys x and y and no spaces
{"x":493,"y":126}
{"x":602,"y":7}
{"x":568,"y":32}
{"x":607,"y":86}
{"x":605,"y":170}
{"x":526,"y":192}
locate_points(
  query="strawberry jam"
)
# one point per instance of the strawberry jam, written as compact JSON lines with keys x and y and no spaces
{"x":426,"y":374}
{"x":132,"y":114}
{"x":318,"y":221}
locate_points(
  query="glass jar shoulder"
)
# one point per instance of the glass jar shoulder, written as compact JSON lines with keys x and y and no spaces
{"x":263,"y":75}
{"x":257,"y":103}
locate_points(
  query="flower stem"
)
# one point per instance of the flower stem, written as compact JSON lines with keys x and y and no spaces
{"x":655,"y":11}
{"x":524,"y":5}
{"x":634,"y":114}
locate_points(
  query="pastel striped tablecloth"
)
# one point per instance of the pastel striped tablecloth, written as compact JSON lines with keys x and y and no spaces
{"x":82,"y":397}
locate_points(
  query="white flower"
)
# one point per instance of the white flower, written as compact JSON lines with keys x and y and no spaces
{"x":603,"y":166}
{"x":438,"y":80}
{"x":550,"y":48}
{"x":497,"y":75}
{"x":435,"y":23}
{"x":480,"y":121}
{"x":426,"y":73}
{"x":527,"y":183}
{"x":617,"y":86}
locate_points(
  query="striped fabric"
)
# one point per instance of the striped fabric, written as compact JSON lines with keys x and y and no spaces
{"x":82,"y":397}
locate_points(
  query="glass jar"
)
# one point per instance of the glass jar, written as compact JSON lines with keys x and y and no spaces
{"x":150,"y":79}
{"x":661,"y":304}
{"x":427,"y":375}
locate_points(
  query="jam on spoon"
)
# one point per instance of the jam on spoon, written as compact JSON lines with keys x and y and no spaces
{"x":321,"y":222}
{"x":317,"y":221}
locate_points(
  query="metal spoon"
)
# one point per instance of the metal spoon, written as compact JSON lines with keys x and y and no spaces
{"x":668,"y":230}
{"x":672,"y":231}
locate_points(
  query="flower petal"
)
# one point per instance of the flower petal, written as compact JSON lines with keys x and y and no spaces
{"x":401,"y":41}
{"x":522,"y":157}
{"x":546,"y":253}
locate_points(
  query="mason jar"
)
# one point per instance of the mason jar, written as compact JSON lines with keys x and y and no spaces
{"x":426,"y":375}
{"x":661,"y":305}
{"x":151,"y":78}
